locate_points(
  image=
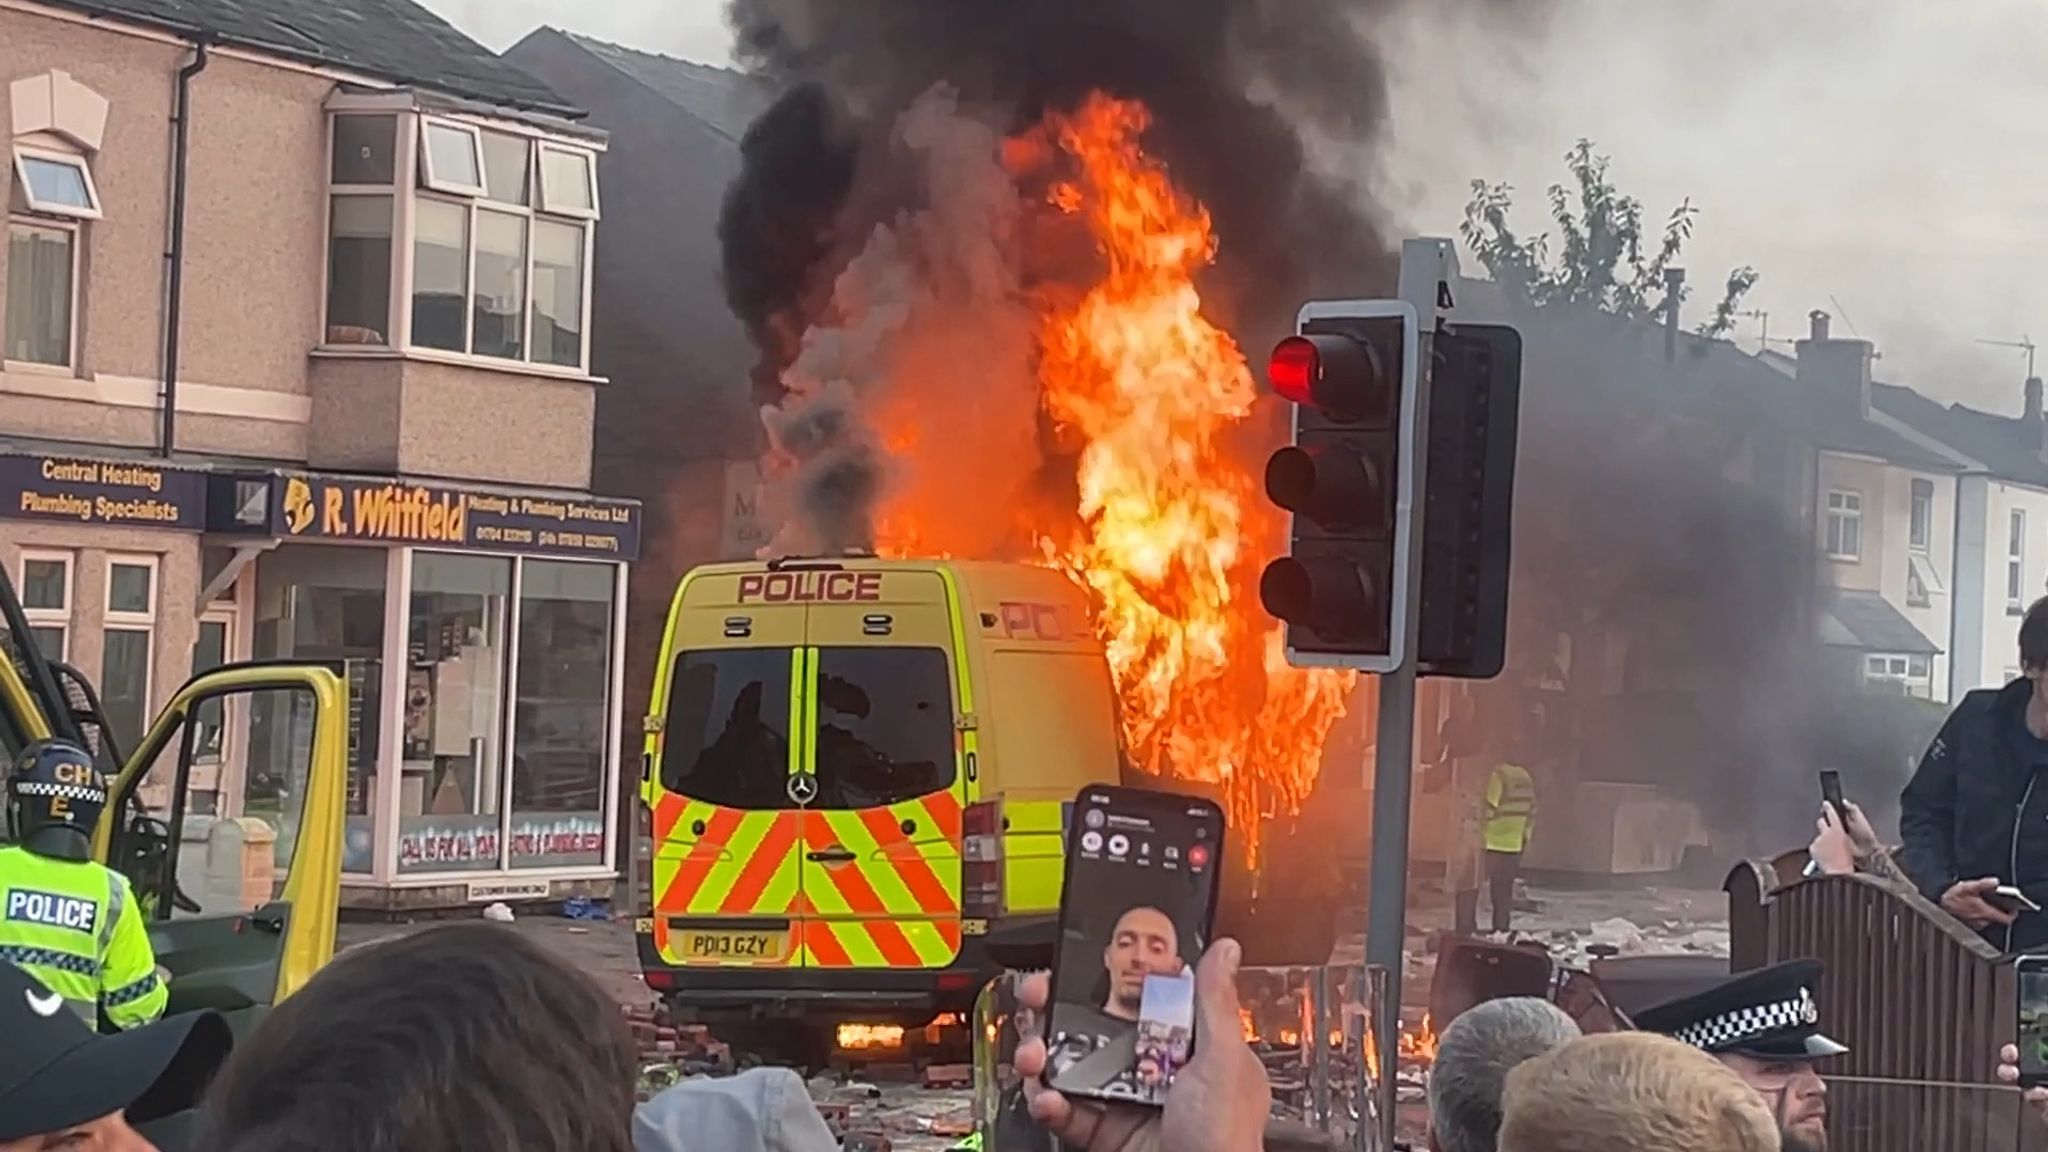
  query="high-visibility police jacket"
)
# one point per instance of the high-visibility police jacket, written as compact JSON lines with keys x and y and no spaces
{"x":75,"y":926}
{"x":1510,"y":803}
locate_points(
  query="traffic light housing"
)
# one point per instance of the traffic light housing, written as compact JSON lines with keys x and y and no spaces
{"x":1474,"y":391}
{"x":1341,"y":588}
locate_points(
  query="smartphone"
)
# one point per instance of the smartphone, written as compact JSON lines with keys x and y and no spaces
{"x":1136,"y":912}
{"x":1831,"y":791}
{"x":2033,"y":1019}
{"x":2010,"y":899}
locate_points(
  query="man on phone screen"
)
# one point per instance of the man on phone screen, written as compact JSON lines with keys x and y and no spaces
{"x":1098,"y":1051}
{"x":1975,"y":815}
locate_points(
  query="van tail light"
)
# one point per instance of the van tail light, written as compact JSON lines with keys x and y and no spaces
{"x":981,"y":860}
{"x":660,"y":979}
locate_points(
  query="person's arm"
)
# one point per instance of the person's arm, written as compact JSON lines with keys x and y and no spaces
{"x":1927,"y":816}
{"x":131,"y":993}
{"x":1490,"y":807}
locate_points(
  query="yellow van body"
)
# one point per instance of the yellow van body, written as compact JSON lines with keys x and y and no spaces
{"x":816,"y":732}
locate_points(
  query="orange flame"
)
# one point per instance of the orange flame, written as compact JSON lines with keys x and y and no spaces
{"x":1172,"y":532}
{"x":859,"y":1037}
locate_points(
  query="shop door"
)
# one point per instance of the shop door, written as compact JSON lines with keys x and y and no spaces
{"x":241,"y":910}
{"x":881,"y":870}
{"x":726,"y":806}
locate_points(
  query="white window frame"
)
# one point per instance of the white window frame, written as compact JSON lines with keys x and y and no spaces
{"x":414,"y":182}
{"x":226,"y":613}
{"x":59,"y":618}
{"x":439,"y":183}
{"x":70,"y":365}
{"x":24,"y":152}
{"x":2015,"y":560}
{"x":542,"y":198}
{"x":1845,"y":506}
{"x":1914,"y":487}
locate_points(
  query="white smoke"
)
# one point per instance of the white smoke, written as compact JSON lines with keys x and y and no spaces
{"x":930,"y":342}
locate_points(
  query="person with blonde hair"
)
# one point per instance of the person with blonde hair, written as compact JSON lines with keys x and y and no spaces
{"x":1629,"y":1091}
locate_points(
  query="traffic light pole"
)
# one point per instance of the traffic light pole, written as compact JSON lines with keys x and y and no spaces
{"x":1428,"y":267}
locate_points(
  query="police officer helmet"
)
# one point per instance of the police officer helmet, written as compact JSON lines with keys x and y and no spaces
{"x":55,"y":785}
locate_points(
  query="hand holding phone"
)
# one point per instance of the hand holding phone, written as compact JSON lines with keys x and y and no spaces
{"x":1831,"y":791}
{"x":1136,"y":913}
{"x":2033,"y":1020}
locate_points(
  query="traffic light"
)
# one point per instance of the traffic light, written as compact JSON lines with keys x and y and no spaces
{"x":1475,"y":385}
{"x":1341,"y":588}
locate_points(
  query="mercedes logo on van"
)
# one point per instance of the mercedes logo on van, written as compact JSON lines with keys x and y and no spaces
{"x":803,"y":787}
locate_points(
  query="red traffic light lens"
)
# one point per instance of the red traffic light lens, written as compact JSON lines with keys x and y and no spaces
{"x":1294,"y":368}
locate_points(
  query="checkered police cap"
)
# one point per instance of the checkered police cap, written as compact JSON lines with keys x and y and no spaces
{"x":1751,"y":1022}
{"x":78,"y":793}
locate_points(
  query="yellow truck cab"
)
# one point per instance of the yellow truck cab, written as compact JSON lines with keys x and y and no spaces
{"x":817,"y":731}
{"x":242,"y":907}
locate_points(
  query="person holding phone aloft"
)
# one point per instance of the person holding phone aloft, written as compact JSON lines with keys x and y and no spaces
{"x":1975,"y":814}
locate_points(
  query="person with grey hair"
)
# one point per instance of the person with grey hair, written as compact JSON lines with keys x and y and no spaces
{"x":1473,"y":1059}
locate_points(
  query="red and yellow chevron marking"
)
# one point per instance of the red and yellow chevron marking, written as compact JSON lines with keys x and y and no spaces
{"x":897,"y":904}
{"x":746,"y":863}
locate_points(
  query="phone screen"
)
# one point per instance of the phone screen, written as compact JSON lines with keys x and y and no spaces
{"x":1135,"y":915}
{"x":2033,"y":1022}
{"x":1831,"y":790}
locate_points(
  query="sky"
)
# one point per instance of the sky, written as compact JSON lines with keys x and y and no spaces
{"x":1885,"y":162}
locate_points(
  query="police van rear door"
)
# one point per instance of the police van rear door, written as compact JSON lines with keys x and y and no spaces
{"x":242,"y":901}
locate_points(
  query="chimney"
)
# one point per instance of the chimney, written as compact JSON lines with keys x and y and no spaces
{"x":1674,"y":292}
{"x":1837,"y":369}
{"x":2030,"y":421}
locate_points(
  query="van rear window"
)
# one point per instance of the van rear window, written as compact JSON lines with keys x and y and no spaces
{"x":885,"y":726}
{"x":726,"y":738}
{"x":884,"y":735}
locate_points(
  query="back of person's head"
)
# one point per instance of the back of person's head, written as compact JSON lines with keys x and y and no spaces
{"x":1628,"y":1091}
{"x":462,"y":1036}
{"x":1473,"y":1059}
{"x":2034,"y":636}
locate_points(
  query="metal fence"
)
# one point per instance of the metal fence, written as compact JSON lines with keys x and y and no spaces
{"x":1921,"y":1000}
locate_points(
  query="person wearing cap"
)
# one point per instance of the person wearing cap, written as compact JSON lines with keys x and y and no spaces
{"x":64,"y":1086}
{"x":1766,"y":1027}
{"x":66,"y":919}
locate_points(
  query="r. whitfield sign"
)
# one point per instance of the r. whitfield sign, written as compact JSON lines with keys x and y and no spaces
{"x":399,"y":512}
{"x":122,"y":493}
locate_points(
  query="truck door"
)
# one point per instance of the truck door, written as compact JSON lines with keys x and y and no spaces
{"x":242,"y":902}
{"x":724,"y":815}
{"x":882,"y":847}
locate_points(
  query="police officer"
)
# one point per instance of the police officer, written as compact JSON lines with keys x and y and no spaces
{"x":1507,"y":812}
{"x":67,"y":920}
{"x":1765,"y":1025}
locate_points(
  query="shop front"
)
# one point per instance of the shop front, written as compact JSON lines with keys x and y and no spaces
{"x":482,"y":635}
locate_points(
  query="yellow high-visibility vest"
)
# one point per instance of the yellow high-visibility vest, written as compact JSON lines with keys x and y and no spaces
{"x":1510,"y":803}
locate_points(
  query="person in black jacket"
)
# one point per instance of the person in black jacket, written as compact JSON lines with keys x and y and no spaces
{"x":1975,"y":814}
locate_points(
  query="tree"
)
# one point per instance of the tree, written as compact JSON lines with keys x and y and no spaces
{"x":1601,"y":259}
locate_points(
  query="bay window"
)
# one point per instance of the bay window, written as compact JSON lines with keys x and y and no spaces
{"x":459,"y":237}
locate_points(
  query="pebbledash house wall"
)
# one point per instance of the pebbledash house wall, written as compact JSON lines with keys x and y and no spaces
{"x":253,"y":382}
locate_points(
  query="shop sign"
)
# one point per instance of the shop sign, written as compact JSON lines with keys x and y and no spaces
{"x":398,"y":512}
{"x":113,"y":493}
{"x":464,"y":843}
{"x":481,"y":891}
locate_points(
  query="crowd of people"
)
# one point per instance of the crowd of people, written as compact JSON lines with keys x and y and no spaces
{"x":471,"y":1036}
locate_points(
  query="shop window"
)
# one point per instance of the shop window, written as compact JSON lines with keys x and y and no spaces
{"x":326,"y":603}
{"x":885,"y":726}
{"x":452,"y":774}
{"x":726,"y":738}
{"x":561,"y":723}
{"x":42,"y":293}
{"x":209,"y":651}
{"x":46,"y":600}
{"x":126,"y":645}
{"x":500,"y":235}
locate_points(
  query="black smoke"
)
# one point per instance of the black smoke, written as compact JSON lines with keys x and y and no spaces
{"x":1233,"y":84}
